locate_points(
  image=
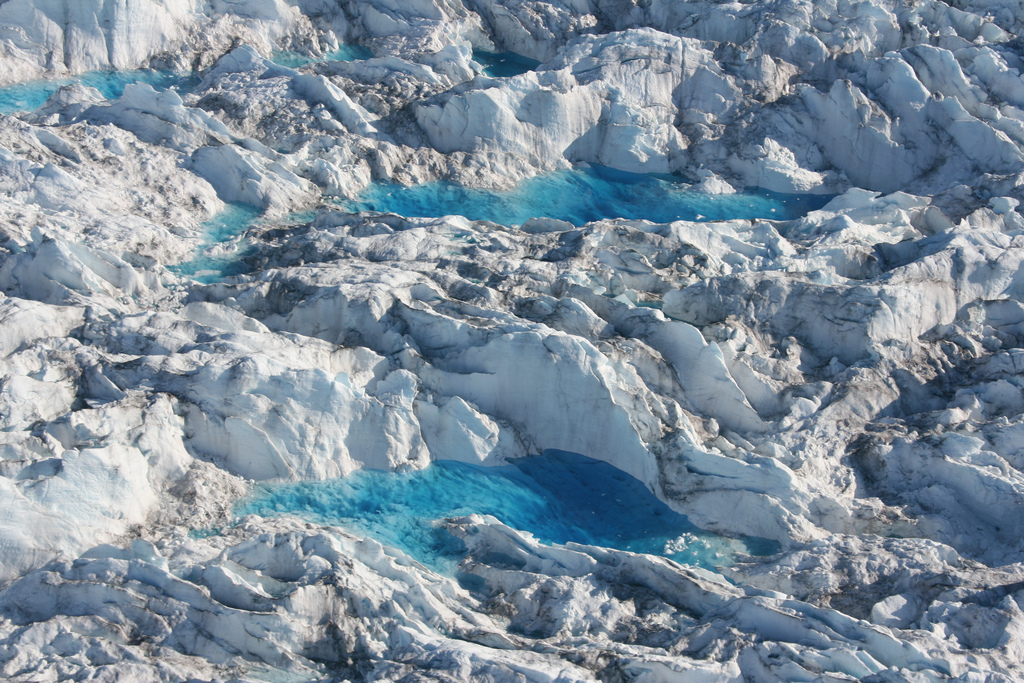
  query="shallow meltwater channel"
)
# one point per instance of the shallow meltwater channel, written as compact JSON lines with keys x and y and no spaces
{"x":210,"y":264}
{"x":558,"y":497}
{"x":583,"y":195}
{"x":31,"y":95}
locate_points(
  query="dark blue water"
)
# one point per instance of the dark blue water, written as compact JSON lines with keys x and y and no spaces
{"x":504,"y":64}
{"x":580,"y":196}
{"x":345,"y":53}
{"x":31,"y":95}
{"x":558,"y":497}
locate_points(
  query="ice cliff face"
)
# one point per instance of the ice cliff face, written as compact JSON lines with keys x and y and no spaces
{"x":847,"y":384}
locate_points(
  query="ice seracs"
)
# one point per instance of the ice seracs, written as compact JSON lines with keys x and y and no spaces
{"x":845,"y":383}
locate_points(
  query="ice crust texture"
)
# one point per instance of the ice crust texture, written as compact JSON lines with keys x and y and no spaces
{"x":847,"y":384}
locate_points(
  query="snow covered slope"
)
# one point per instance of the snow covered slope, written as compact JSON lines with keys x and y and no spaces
{"x":847,"y":384}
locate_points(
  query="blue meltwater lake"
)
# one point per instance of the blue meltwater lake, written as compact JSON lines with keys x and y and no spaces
{"x":31,"y":95}
{"x":504,"y":64}
{"x":583,"y":195}
{"x":558,"y":497}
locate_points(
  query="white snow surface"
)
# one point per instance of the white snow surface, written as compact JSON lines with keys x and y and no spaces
{"x":849,"y":384}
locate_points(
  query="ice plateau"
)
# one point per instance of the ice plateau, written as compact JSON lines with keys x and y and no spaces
{"x":208,"y":289}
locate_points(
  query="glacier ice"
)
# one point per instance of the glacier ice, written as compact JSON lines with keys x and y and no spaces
{"x":286,"y":245}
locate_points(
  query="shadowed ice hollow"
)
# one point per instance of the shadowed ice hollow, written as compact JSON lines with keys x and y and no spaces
{"x":345,"y":53}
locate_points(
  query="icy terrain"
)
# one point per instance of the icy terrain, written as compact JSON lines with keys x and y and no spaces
{"x":265,"y":260}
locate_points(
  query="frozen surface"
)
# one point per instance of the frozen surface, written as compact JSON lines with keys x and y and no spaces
{"x":582,"y":196}
{"x":568,"y":260}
